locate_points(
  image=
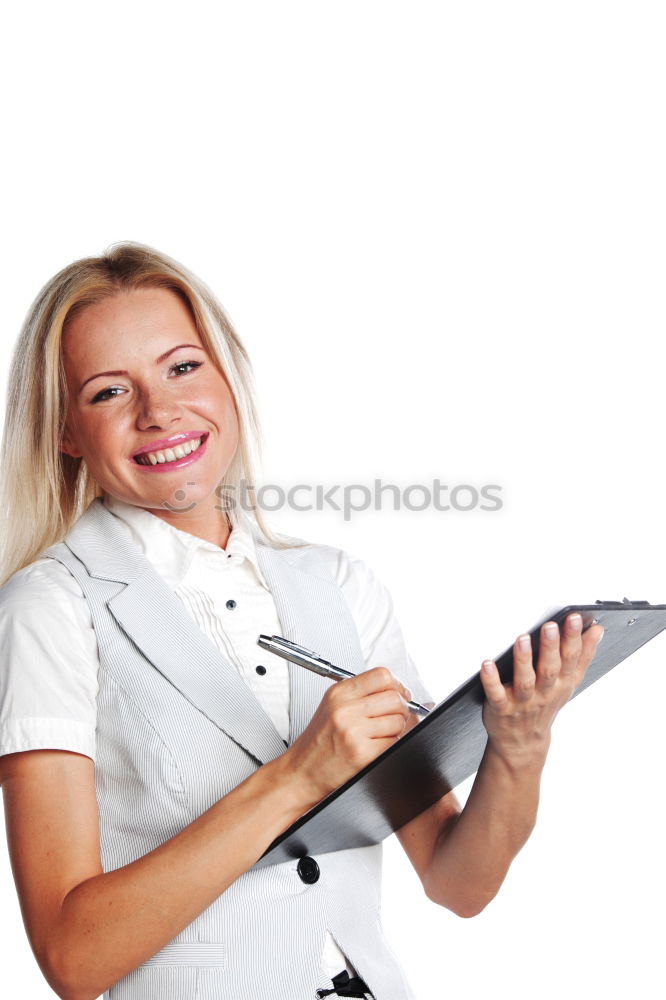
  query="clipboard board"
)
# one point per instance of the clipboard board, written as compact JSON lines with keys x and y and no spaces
{"x":446,"y":746}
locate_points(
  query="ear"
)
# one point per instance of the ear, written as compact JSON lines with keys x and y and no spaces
{"x":68,"y":448}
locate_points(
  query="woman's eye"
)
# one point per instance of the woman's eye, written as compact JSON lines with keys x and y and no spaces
{"x":186,"y":364}
{"x":102,"y":395}
{"x":189,"y":365}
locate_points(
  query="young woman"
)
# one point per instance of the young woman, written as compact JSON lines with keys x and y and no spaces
{"x":150,"y":751}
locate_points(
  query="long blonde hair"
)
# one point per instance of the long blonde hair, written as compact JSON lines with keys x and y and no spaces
{"x":42,"y":490}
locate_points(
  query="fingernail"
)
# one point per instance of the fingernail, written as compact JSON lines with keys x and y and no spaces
{"x":575,"y":622}
{"x":408,"y":694}
{"x":601,"y":635}
{"x":550,"y":630}
{"x":488,"y":666}
{"x":523,"y":643}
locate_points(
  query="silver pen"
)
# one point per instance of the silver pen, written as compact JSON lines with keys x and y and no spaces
{"x":306,"y":658}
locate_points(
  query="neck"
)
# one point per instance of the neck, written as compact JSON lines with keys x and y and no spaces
{"x":204,"y":520}
{"x":210,"y":524}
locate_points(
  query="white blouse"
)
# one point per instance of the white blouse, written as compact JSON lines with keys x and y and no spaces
{"x":48,"y":648}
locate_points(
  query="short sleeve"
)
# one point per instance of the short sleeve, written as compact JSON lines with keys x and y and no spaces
{"x":371,"y":605}
{"x":48,"y":662}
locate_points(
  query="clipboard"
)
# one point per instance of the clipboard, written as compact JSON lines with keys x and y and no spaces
{"x":446,"y":746}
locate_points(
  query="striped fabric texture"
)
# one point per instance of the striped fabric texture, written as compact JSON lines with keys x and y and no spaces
{"x":178,"y":728}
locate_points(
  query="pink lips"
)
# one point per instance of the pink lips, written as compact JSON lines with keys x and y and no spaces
{"x":169,"y":442}
{"x":180,"y":462}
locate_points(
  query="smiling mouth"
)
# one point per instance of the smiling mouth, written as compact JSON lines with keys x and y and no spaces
{"x":165,"y":455}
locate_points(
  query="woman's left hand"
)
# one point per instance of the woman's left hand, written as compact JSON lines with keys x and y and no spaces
{"x":518,"y":716}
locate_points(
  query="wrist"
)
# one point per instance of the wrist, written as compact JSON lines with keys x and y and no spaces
{"x":519,"y":762}
{"x":295,"y":795}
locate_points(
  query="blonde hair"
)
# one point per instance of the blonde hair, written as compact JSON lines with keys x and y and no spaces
{"x":43,"y":490}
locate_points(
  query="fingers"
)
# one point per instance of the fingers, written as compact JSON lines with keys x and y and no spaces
{"x":571,"y":644}
{"x":576,"y":650}
{"x":549,"y":663}
{"x":356,"y":720}
{"x":524,"y":677}
{"x":384,"y":703}
{"x":373,"y":703}
{"x":492,"y":686}
{"x":562,"y":656}
{"x":369,"y":682}
{"x":591,"y":639}
{"x":386,"y":726}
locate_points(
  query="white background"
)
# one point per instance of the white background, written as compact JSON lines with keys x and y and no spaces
{"x":439,"y":229}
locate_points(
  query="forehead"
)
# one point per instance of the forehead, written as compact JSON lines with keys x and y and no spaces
{"x":139,"y":321}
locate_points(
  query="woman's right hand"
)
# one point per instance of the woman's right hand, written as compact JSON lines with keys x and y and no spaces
{"x":355,"y":721}
{"x":89,"y":927}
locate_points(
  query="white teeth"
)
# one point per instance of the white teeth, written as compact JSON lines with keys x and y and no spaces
{"x":169,"y":454}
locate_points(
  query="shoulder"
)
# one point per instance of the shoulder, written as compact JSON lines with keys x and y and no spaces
{"x":48,"y":662}
{"x":46,"y":587}
{"x":43,"y":577}
{"x":326,"y":560}
{"x":362,"y":589}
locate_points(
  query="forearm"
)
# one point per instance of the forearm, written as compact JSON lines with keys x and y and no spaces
{"x":472,"y":855}
{"x":113,"y":922}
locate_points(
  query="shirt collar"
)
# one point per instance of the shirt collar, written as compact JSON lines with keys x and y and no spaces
{"x":173,"y":551}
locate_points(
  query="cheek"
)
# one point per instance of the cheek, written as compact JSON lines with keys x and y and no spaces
{"x":232,"y":416}
{"x":102,"y":452}
{"x":227,"y":410}
{"x":103,"y":438}
{"x":79,"y":432}
{"x":230,"y":427}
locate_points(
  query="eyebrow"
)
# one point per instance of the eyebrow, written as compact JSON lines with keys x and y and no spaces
{"x":158,"y":361}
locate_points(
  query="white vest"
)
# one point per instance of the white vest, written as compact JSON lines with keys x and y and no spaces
{"x":178,"y":728}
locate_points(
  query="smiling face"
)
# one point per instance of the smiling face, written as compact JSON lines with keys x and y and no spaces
{"x":141,"y":380}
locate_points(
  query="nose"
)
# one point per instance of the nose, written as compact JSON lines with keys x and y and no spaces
{"x":157,"y":407}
